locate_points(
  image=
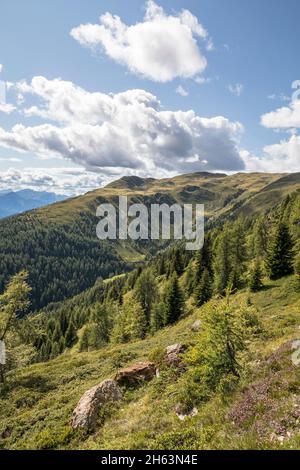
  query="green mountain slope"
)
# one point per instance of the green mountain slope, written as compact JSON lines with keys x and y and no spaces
{"x":58,"y":244}
{"x":240,"y":377}
{"x":263,"y":412}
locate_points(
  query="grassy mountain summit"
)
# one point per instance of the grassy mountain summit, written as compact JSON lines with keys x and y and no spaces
{"x":216,"y":191}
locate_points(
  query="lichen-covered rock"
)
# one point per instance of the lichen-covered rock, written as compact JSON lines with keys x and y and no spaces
{"x":173,"y":355}
{"x":196,"y":326}
{"x":85,"y":413}
{"x":288,"y":353}
{"x":142,"y":371}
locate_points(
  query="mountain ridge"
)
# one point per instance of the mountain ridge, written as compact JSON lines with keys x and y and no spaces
{"x":16,"y":202}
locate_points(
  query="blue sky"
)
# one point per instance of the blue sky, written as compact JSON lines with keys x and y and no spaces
{"x":250,"y":50}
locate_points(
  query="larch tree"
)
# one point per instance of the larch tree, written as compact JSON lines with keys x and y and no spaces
{"x":14,"y":302}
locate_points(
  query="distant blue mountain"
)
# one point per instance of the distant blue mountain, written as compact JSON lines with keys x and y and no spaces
{"x":15,"y":202}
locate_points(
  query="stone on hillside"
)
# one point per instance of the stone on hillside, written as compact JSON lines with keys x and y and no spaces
{"x":7,"y":432}
{"x":182,"y":415}
{"x":86,"y":412}
{"x":287,"y":353}
{"x":196,"y":326}
{"x":143,"y":371}
{"x":172,"y":356}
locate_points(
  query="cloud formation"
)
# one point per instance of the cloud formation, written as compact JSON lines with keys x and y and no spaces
{"x":182,"y":91}
{"x":70,"y":181}
{"x":284,"y":156}
{"x":283,"y":118}
{"x":6,"y":108}
{"x":161,"y":47}
{"x":128,"y":131}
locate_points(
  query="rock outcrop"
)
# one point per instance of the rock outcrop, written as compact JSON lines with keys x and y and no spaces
{"x":173,"y":355}
{"x":142,"y":371}
{"x":85,"y":413}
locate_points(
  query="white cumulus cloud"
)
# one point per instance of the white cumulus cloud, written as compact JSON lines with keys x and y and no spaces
{"x":285,"y":117}
{"x":68,"y":181}
{"x":128,"y":131}
{"x":283,"y":157}
{"x":182,"y":91}
{"x":160,"y":48}
{"x":7,"y":108}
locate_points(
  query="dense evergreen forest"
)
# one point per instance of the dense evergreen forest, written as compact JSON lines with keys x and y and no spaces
{"x":61,"y":260}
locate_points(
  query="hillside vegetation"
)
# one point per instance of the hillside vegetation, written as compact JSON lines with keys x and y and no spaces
{"x":263,"y":411}
{"x":237,"y":385}
{"x":58,"y":244}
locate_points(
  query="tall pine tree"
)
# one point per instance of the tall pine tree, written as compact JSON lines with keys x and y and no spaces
{"x":203,"y":260}
{"x":205,"y":289}
{"x":174,"y":301}
{"x":223,"y":261}
{"x":146,"y":291}
{"x":279,"y":262}
{"x":255,"y":279}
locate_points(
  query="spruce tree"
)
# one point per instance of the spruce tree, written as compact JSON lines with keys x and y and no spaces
{"x":146,"y":292}
{"x":62,"y":344}
{"x":259,"y":238}
{"x":57,"y":333}
{"x":176,"y":264}
{"x":161,"y":269}
{"x":255,"y":279}
{"x":204,"y":291}
{"x":235,"y":280}
{"x":48,"y":348}
{"x":297,"y":271}
{"x":189,"y":280}
{"x":174,"y":301}
{"x":42,"y":353}
{"x":203,"y":261}
{"x":84,"y":341}
{"x":70,"y":335}
{"x":158,"y":317}
{"x":279,"y":262}
{"x":223,"y":261}
{"x":54,"y":350}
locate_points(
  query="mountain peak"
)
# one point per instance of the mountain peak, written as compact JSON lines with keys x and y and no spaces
{"x":130,"y":182}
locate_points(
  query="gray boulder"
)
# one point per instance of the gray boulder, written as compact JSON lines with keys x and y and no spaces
{"x":86,"y":412}
{"x":173,"y":355}
{"x":196,"y":326}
